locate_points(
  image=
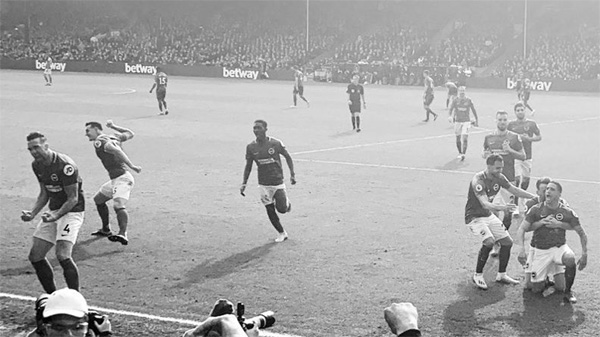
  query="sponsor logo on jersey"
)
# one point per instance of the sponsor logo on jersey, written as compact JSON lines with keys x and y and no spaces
{"x":98,"y":144}
{"x":271,"y":150}
{"x":68,"y":170}
{"x":239,"y":73}
{"x":478,"y":188}
{"x":139,"y":69}
{"x":53,"y":188}
{"x":55,"y":66}
{"x":496,"y":187}
{"x":559,"y":217}
{"x":54,"y":177}
{"x":533,"y":85}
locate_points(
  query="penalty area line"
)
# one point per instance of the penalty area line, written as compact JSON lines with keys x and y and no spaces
{"x":128,"y":91}
{"x":142,"y":315}
{"x":424,"y":169}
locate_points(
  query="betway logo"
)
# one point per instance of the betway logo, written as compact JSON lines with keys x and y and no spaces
{"x":54,"y":66}
{"x":239,"y":73}
{"x":534,"y":85}
{"x":139,"y":69}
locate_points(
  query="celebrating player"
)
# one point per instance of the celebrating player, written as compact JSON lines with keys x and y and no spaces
{"x":480,"y":218}
{"x":529,"y":132}
{"x":549,"y":222}
{"x":266,"y":151}
{"x":60,"y":188}
{"x":115,"y":161}
{"x":356,"y":94}
{"x":160,"y":83}
{"x":460,"y":114}
{"x":428,"y":96}
{"x":299,"y":87}
{"x":48,"y":71}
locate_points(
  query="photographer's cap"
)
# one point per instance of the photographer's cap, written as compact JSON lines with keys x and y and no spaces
{"x":66,"y":302}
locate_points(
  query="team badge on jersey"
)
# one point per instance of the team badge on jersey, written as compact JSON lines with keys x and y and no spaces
{"x":526,"y":128}
{"x":54,"y":177}
{"x":559,"y":216}
{"x":97,"y":144}
{"x":478,"y":188}
{"x":496,"y":187}
{"x":68,"y":170}
{"x":271,"y":150}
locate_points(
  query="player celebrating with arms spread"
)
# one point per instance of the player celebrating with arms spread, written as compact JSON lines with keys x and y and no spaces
{"x":481,"y":220}
{"x":160,"y":83}
{"x":356,"y":93}
{"x":118,"y":188}
{"x":266,"y":151}
{"x":60,"y":188}
{"x":460,"y":114}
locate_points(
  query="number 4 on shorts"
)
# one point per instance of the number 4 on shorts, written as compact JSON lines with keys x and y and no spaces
{"x":67,"y":229}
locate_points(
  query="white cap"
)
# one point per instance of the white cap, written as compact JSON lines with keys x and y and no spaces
{"x":66,"y":302}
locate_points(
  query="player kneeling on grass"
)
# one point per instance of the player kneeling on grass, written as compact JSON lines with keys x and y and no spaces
{"x":65,"y":313}
{"x":549,"y":222}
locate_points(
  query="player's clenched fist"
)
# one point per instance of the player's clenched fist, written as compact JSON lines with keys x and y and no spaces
{"x":522,"y":258}
{"x":26,"y":216}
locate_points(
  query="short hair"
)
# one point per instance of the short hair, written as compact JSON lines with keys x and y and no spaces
{"x":35,"y":135}
{"x":558,"y":185}
{"x":462,"y":86}
{"x":519,"y":105}
{"x":263,"y":122}
{"x":492,"y":159}
{"x":543,"y":180}
{"x":94,"y":125}
{"x":426,"y":72}
{"x":501,"y":112}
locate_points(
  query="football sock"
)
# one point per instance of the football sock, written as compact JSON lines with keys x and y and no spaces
{"x":507,"y":220}
{"x":570,"y":272}
{"x":503,"y":258}
{"x":465,"y":143}
{"x":458,"y":144}
{"x":45,"y":274}
{"x":304,"y":99}
{"x":525,"y":183}
{"x":484,"y":252}
{"x":358,"y":122}
{"x":353,"y":123}
{"x":160,"y":106}
{"x":103,"y":212}
{"x":122,"y":218}
{"x":165,"y":104}
{"x":274,"y":218}
{"x":71,"y":273}
{"x":295,"y":100}
{"x":447,"y":101}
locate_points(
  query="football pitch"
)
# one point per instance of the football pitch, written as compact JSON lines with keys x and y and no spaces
{"x":378,"y":216}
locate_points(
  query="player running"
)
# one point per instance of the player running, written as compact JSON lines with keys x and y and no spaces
{"x":118,"y":188}
{"x":460,"y":115}
{"x":356,"y":94}
{"x":299,"y":87}
{"x":160,"y":83}
{"x":428,"y":96}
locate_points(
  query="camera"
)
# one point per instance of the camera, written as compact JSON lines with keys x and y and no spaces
{"x":262,"y":321}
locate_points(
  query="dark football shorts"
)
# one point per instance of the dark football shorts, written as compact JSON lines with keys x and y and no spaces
{"x":428,"y":99}
{"x":161,"y":93}
{"x":354,"y":107}
{"x":299,"y":91}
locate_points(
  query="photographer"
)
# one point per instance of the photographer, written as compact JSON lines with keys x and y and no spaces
{"x":403,"y":319}
{"x":223,"y":323}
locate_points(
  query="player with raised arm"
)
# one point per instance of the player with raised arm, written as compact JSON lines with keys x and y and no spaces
{"x":118,"y":188}
{"x":160,"y":83}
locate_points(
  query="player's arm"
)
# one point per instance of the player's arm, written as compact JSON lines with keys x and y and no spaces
{"x":362,"y":97}
{"x":247,"y":170}
{"x":153,"y":86}
{"x":518,"y":192}
{"x":290,"y":164}
{"x":520,"y":241}
{"x":40,"y":202}
{"x":126,"y":133}
{"x":474,"y":114}
{"x":518,"y":152}
{"x":583,"y":239}
{"x":486,"y":149}
{"x":72,"y":192}
{"x":537,"y":135}
{"x":111,"y":148}
{"x":452,"y":111}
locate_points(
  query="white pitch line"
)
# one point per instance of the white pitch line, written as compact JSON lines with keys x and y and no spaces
{"x":129,"y":91}
{"x":142,"y":315}
{"x":425,"y":169}
{"x":426,"y":138}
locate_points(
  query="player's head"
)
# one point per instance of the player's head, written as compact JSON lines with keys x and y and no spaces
{"x":553,"y":191}
{"x":355,"y":79}
{"x":541,"y":185}
{"x":37,"y":146}
{"x":93,"y":130}
{"x":158,"y":69}
{"x":425,"y":73}
{"x":520,"y":110}
{"x":526,"y":80}
{"x":495,"y":164}
{"x":260,"y":129}
{"x":502,"y":120}
{"x":461,"y":91}
{"x":66,"y":314}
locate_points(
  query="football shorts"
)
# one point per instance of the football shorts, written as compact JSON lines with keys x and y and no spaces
{"x":547,"y":262}
{"x":523,"y":167}
{"x":488,"y":227}
{"x":267,"y":193}
{"x":462,"y":128}
{"x":66,"y":228}
{"x":120,"y":187}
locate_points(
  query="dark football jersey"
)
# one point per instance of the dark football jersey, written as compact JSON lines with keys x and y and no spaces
{"x":463,"y":107}
{"x":493,"y":143}
{"x":161,"y":80}
{"x":355,"y":90}
{"x":61,"y":172}
{"x":527,"y":127}
{"x":266,"y":155}
{"x":544,"y":237}
{"x":483,"y":184}
{"x":428,"y":85}
{"x":115,"y":166}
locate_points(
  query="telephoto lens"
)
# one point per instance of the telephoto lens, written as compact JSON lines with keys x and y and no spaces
{"x":262,"y":321}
